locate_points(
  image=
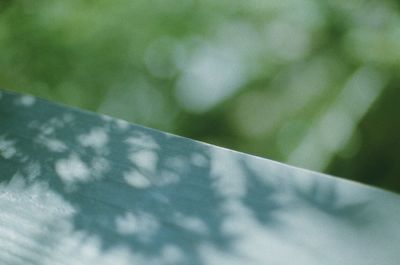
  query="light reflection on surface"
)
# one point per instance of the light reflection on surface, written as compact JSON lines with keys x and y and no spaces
{"x":123,"y":194}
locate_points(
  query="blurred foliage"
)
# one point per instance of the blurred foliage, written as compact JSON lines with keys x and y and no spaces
{"x":312,"y":83}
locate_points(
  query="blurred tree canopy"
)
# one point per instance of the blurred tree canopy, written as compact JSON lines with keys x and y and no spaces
{"x":313,"y":83}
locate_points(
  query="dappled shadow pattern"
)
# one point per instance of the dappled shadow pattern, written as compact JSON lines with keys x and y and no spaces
{"x":131,"y":186}
{"x":169,"y":199}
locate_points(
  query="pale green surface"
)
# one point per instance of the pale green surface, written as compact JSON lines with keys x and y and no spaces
{"x":77,"y":188}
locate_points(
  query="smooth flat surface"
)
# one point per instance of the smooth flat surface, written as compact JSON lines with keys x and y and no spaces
{"x":78,"y":188}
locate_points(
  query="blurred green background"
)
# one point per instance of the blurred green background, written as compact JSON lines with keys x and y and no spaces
{"x":312,"y":83}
